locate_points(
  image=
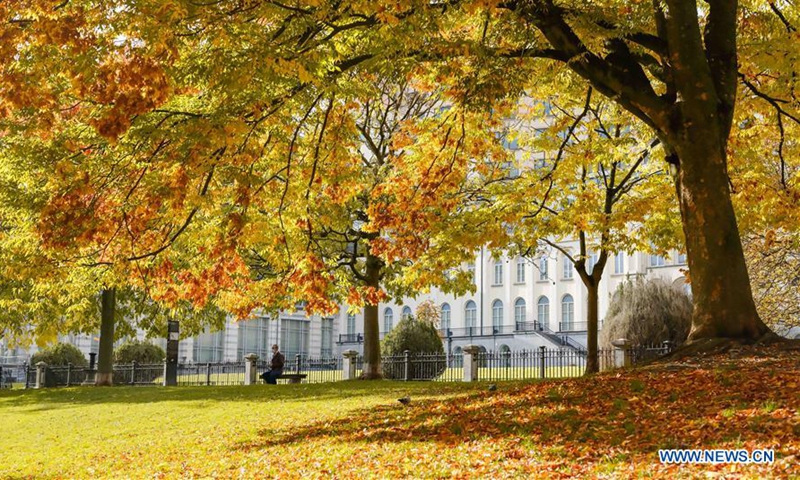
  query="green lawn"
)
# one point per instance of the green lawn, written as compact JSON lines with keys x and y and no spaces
{"x":146,"y":431}
{"x":610,"y":425}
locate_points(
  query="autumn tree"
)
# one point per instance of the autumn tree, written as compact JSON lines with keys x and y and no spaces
{"x":601,"y":185}
{"x":212,"y":78}
{"x":372,"y":176}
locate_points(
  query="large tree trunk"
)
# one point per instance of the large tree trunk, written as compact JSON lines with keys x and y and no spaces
{"x":723,"y":301}
{"x":105,"y":357}
{"x":372,"y":345}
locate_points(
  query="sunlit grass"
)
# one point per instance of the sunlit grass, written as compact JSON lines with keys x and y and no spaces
{"x":610,"y":425}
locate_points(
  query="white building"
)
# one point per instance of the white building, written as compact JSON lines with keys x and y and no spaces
{"x":520,"y":304}
{"x":517,"y":304}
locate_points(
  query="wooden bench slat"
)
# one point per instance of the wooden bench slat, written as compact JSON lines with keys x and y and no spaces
{"x":292,"y":377}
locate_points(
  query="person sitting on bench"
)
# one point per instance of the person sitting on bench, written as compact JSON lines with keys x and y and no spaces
{"x":275,"y":367}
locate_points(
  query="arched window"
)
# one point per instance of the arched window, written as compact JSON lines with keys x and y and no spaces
{"x":445,"y":320}
{"x":406,"y":312}
{"x":505,"y":355}
{"x":519,"y":312}
{"x":470,"y":315}
{"x":567,"y":313}
{"x":497,"y":315}
{"x":682,"y":285}
{"x":457,"y":359}
{"x":543,"y":312}
{"x":388,"y":320}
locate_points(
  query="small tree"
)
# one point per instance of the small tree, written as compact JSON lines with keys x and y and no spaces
{"x":418,"y":337}
{"x":647,"y":312}
{"x":60,"y":354}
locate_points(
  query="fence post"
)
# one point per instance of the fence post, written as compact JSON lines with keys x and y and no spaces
{"x":134,"y":364}
{"x":471,"y":362}
{"x":407,"y":365}
{"x":622,"y":353}
{"x":91,"y":373}
{"x":542,"y":370}
{"x":208,"y":374}
{"x":41,"y":368}
{"x":349,"y":364}
{"x":297,"y":363}
{"x":250,"y":373}
{"x":27,"y":375}
{"x":668,"y":346}
{"x":69,"y":373}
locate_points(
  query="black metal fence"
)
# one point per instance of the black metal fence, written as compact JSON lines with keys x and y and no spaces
{"x":538,"y":363}
{"x":13,"y":375}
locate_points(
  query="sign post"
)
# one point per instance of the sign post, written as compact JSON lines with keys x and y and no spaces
{"x":171,"y":365}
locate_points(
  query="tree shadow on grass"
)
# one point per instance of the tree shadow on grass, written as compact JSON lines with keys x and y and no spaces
{"x":638,"y":413}
{"x":48,"y":399}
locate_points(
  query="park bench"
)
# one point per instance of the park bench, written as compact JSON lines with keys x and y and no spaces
{"x":293,"y":377}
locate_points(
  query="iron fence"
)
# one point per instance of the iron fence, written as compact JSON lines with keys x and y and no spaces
{"x":541,"y":363}
{"x":211,"y":374}
{"x":65,"y":376}
{"x":13,"y":375}
{"x":136,"y":374}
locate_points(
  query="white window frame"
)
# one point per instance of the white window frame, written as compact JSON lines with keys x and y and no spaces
{"x":567,"y":312}
{"x":543,"y":311}
{"x":498,"y":272}
{"x":519,"y":310}
{"x":497,"y":313}
{"x":619,"y":262}
{"x":568,"y":268}
{"x":470,"y":314}
{"x":543,"y":268}
{"x":446,"y":317}
{"x":388,"y":319}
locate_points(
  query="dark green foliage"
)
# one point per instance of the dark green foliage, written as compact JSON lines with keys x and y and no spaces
{"x":141,"y":352}
{"x":422,"y":340}
{"x":60,"y":354}
{"x":647,"y":313}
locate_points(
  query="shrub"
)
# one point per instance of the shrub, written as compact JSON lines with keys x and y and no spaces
{"x":60,"y":354}
{"x":418,"y":337}
{"x":144,"y":353}
{"x":141,"y":352}
{"x":646,"y":313}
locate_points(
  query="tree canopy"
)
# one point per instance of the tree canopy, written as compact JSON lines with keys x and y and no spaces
{"x":155,"y":130}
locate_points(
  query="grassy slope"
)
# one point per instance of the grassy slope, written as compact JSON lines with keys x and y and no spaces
{"x":607,"y":425}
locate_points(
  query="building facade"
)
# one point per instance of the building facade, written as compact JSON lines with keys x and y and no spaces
{"x":518,"y":304}
{"x":521,"y":303}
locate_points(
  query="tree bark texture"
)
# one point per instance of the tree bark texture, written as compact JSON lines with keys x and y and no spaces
{"x":592,"y":363}
{"x":372,"y":341}
{"x":723,"y":300}
{"x":105,"y":357}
